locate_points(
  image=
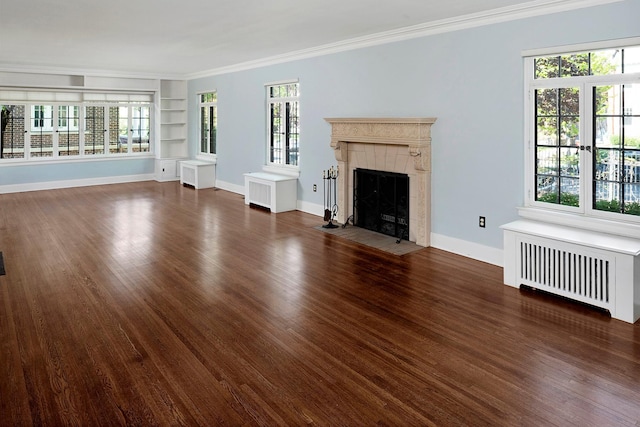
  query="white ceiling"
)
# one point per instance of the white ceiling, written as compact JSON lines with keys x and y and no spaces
{"x":184,"y":37}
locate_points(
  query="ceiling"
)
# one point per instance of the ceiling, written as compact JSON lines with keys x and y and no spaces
{"x":184,"y":37}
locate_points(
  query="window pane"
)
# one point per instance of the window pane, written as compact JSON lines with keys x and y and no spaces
{"x":204,"y":129}
{"x":284,"y":124}
{"x":213,"y":128}
{"x":574,"y":65}
{"x":94,"y":133}
{"x":606,"y":62}
{"x":276,"y":147}
{"x":547,"y":161}
{"x":547,"y":189}
{"x":547,"y":131}
{"x":123,"y":130}
{"x":12,"y":131}
{"x":631,"y":60}
{"x":557,"y":146}
{"x":547,"y":67}
{"x":617,"y":156}
{"x":607,"y":196}
{"x":140,"y":129}
{"x":68,"y":136}
{"x":631,"y":199}
{"x":41,"y":138}
{"x":114,"y":130}
{"x":292,"y":133}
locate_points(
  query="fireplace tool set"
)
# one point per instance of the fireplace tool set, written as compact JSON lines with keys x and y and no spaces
{"x":329,"y":178}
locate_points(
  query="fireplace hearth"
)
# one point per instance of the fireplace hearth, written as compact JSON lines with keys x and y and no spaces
{"x":381,"y":202}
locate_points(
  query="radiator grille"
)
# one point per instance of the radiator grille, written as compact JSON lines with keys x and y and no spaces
{"x":583,"y":276}
{"x":260,"y":194}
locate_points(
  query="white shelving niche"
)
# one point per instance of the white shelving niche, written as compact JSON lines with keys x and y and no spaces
{"x":173,"y":129}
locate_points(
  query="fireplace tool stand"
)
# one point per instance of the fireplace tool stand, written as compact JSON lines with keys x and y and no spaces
{"x":329,"y":178}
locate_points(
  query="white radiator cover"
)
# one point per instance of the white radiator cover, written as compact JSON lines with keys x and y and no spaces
{"x":595,"y":268}
{"x":279,"y":193}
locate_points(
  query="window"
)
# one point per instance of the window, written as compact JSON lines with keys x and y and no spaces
{"x":95,"y":129}
{"x":283,"y":124}
{"x":41,"y":135}
{"x":12,"y":131}
{"x":56,"y":131}
{"x":68,"y":135}
{"x":583,"y":143}
{"x":208,"y":122}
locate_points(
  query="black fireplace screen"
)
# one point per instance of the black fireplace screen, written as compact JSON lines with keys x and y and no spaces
{"x":381,"y":202}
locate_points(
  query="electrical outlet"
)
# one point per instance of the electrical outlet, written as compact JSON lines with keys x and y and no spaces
{"x":315,"y":188}
{"x":481,"y":222}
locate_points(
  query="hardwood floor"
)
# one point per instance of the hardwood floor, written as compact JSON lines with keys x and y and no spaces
{"x":154,"y":304}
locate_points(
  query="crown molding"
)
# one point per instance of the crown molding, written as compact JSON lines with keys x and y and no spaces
{"x":504,"y":14}
{"x":39,"y":69}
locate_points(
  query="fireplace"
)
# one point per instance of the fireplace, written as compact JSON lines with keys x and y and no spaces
{"x":398,"y":145}
{"x":381,"y":202}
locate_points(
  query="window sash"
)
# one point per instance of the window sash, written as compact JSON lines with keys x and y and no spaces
{"x":283,"y":108}
{"x":589,"y":175}
{"x":208,"y":128}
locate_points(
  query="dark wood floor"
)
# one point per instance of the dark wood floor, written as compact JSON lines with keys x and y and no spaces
{"x":150,"y":303}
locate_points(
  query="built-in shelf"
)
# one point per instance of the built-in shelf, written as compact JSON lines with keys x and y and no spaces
{"x":172,"y":129}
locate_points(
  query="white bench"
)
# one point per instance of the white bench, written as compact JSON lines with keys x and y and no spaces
{"x":588,"y":266}
{"x":279,"y":193}
{"x":197,"y":173}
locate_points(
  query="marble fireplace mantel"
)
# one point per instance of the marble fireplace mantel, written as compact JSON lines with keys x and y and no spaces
{"x":401,"y":145}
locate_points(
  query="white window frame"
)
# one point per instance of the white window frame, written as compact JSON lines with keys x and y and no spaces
{"x":280,"y":167}
{"x":583,"y":216}
{"x":206,"y":155}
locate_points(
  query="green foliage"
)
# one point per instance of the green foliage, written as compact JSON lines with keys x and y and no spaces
{"x":614,"y":206}
{"x":631,"y":142}
{"x":558,"y":108}
{"x":566,"y":199}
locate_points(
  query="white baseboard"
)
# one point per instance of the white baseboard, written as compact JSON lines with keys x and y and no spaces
{"x":53,"y":185}
{"x":310,"y":208}
{"x":468,"y":249}
{"x":234,"y":188}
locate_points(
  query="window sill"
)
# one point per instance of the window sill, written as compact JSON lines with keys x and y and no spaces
{"x":620,"y":228}
{"x":211,"y":158}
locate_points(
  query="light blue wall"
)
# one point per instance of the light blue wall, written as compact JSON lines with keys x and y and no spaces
{"x":471,"y":80}
{"x":38,"y":173}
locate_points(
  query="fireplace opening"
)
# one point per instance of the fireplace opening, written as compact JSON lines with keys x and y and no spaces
{"x":381,"y":202}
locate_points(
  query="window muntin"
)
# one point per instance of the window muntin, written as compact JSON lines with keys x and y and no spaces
{"x":208,"y":122}
{"x":586,"y":140}
{"x":284,"y":124}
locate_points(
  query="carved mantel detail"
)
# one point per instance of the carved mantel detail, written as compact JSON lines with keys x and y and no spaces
{"x":373,"y":143}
